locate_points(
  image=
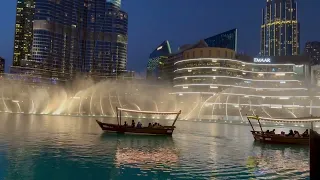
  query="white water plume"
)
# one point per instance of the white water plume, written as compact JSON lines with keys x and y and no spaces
{"x":84,"y":97}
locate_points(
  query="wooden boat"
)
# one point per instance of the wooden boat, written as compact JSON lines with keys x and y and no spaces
{"x":126,"y":129}
{"x":314,"y":155}
{"x":265,"y":137}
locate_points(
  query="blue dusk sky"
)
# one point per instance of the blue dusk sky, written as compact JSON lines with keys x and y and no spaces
{"x":182,"y":22}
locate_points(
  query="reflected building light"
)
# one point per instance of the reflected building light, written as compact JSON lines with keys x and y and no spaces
{"x":280,"y":74}
{"x":283,"y":97}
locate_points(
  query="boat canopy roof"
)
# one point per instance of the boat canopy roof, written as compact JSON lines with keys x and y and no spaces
{"x":148,"y":112}
{"x":287,"y":120}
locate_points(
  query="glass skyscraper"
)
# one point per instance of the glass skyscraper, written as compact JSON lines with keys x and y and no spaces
{"x":312,"y":50}
{"x":156,"y":60}
{"x":115,"y":2}
{"x":58,"y":39}
{"x":280,"y":29}
{"x":2,"y":65}
{"x":228,"y":39}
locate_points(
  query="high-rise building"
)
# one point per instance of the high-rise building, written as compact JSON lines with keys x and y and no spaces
{"x":156,"y":60}
{"x":2,"y":65}
{"x":115,"y":2}
{"x":228,"y":39}
{"x":312,"y":50}
{"x":58,"y":39}
{"x":280,"y":29}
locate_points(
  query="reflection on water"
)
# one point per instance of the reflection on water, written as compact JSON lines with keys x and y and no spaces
{"x":46,"y":147}
{"x":145,"y":153}
{"x":272,"y":160}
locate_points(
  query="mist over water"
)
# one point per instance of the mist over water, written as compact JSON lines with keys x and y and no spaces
{"x":84,"y":97}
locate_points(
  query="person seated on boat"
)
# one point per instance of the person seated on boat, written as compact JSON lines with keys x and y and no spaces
{"x":267,"y":132}
{"x":273,"y":131}
{"x":290,"y":133}
{"x":125,"y":124}
{"x":150,"y":125}
{"x":156,"y":125}
{"x":139,"y":125}
{"x":283,"y":133}
{"x":296,"y":134}
{"x":306,"y":133}
{"x":133,"y":124}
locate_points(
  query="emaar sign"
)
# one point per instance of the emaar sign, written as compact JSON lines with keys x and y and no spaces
{"x":262,"y":60}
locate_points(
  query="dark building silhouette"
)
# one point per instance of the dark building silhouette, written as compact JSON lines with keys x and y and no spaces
{"x":312,"y":50}
{"x":57,"y":39}
{"x":280,"y":29}
{"x":2,"y":65}
{"x":156,"y":60}
{"x":228,"y":39}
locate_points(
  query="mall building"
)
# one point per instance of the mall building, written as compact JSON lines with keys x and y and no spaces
{"x":224,"y":85}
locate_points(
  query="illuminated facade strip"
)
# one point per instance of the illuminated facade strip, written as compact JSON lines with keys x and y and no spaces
{"x":181,"y":85}
{"x":261,"y":105}
{"x":279,"y":23}
{"x":232,"y":77}
{"x":147,"y":112}
{"x":245,"y":95}
{"x":232,"y":60}
{"x":211,"y":93}
{"x":191,"y":68}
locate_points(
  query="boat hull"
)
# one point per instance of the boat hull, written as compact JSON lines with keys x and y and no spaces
{"x":278,"y":139}
{"x":314,"y":155}
{"x":114,"y":128}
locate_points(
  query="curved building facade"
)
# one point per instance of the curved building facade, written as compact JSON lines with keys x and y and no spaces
{"x":223,"y":87}
{"x":59,"y":39}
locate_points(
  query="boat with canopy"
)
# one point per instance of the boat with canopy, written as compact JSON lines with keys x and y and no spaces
{"x":265,"y":137}
{"x":127,"y":129}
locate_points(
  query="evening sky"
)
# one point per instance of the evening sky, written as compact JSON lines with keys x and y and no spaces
{"x":182,"y":22}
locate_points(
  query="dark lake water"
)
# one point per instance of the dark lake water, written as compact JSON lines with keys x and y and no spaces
{"x":54,"y":147}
